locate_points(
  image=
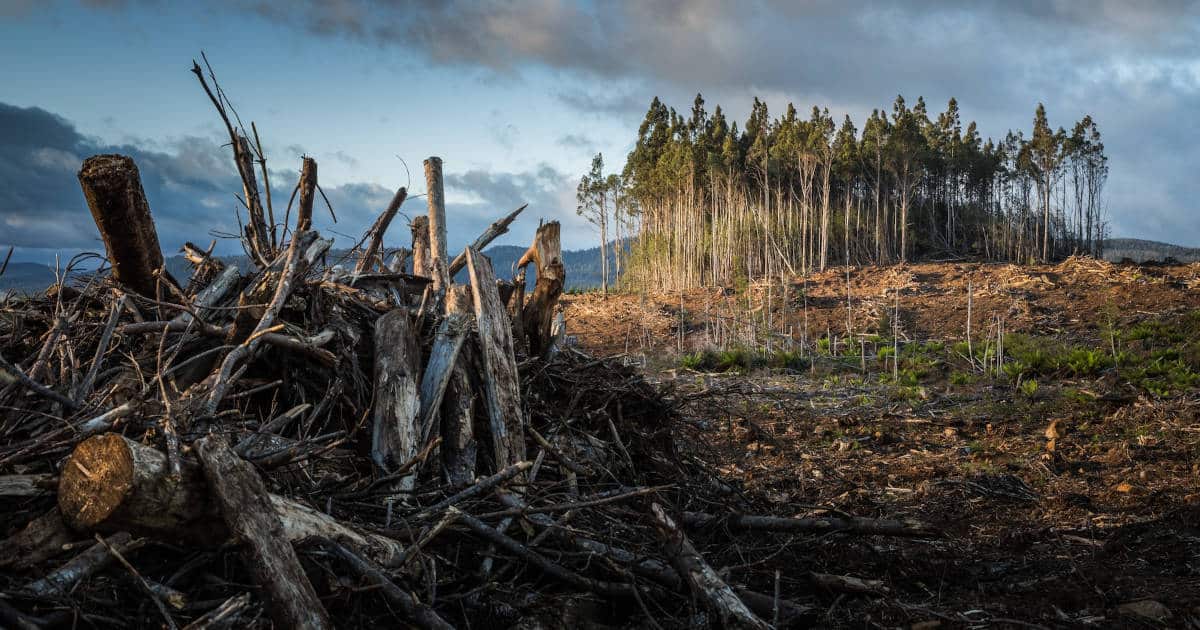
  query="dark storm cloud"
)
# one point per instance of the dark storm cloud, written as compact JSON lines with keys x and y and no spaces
{"x":191,"y":186}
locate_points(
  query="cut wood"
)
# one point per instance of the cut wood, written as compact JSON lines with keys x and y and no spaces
{"x":538,"y":314}
{"x":422,"y":262}
{"x":700,"y":577}
{"x":436,"y":196}
{"x":113,"y":190}
{"x":111,"y":483}
{"x":250,"y":515}
{"x":395,"y":436}
{"x":502,"y":387}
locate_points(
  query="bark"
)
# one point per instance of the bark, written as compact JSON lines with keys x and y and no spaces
{"x":538,"y":315}
{"x":458,"y":401}
{"x":113,"y":190}
{"x":438,"y":371}
{"x":422,"y":265}
{"x":249,"y":514}
{"x":90,"y":562}
{"x":502,"y":392}
{"x":395,"y":437}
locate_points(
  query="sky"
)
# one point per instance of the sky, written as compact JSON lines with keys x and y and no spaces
{"x":516,"y":97}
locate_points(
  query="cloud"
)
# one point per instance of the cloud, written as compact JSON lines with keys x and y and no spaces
{"x":191,"y":186}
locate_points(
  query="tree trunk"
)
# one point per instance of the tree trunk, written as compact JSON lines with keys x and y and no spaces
{"x":422,"y":264}
{"x":502,"y":387}
{"x":395,"y":436}
{"x":113,"y":190}
{"x":440,"y":262}
{"x":538,"y":315}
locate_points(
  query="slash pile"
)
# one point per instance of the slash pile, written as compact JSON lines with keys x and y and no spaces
{"x":342,"y":443}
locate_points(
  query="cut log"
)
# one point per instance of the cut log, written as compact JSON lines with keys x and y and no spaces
{"x":502,"y":386}
{"x":700,"y":577}
{"x":538,"y":314}
{"x":493,"y":232}
{"x":395,"y":436}
{"x":440,"y":261}
{"x":422,"y":264}
{"x":113,"y":190}
{"x":110,"y":483}
{"x":248,"y":513}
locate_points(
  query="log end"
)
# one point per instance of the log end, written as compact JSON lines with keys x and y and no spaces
{"x":108,"y":167}
{"x":95,"y":481}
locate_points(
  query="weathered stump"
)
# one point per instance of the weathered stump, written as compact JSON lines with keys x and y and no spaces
{"x":112,"y":187}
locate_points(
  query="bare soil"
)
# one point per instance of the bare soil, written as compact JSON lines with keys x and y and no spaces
{"x":1069,"y":503}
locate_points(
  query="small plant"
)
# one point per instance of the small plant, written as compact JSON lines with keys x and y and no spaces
{"x":692,"y":361}
{"x":1029,"y":388}
{"x":961,"y":378}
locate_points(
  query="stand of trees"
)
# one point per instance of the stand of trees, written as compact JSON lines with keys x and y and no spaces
{"x":708,"y":203}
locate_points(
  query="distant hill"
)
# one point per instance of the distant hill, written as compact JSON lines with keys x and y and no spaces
{"x":582,"y":267}
{"x":1138,"y":250}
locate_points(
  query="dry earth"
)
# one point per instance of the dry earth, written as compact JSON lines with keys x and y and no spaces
{"x":1072,"y":502}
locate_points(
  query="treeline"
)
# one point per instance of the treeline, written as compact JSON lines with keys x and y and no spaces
{"x":710,"y":203}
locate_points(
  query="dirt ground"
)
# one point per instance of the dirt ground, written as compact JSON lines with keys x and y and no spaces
{"x":1064,"y":479}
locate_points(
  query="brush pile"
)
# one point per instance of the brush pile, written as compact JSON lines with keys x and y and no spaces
{"x":343,"y":443}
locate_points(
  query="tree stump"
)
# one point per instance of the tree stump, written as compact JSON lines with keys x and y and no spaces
{"x":112,"y":187}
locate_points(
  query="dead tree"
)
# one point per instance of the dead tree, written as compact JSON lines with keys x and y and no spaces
{"x":395,"y":437}
{"x":422,"y":264}
{"x":502,"y":386}
{"x":113,"y":189}
{"x":439,"y":264}
{"x":538,"y":314}
{"x":458,"y":401}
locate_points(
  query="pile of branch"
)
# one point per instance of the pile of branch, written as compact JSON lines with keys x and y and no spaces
{"x":314,"y":446}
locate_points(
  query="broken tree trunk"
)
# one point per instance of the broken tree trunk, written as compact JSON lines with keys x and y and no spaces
{"x":249,"y":514}
{"x":422,"y":265}
{"x":395,"y":436}
{"x":110,"y":484}
{"x":458,"y":400}
{"x":502,"y":386}
{"x":700,"y":577}
{"x":367,"y":262}
{"x":493,"y":232}
{"x":442,"y":357}
{"x":113,"y":189}
{"x":538,"y":314}
{"x":437,"y":224}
